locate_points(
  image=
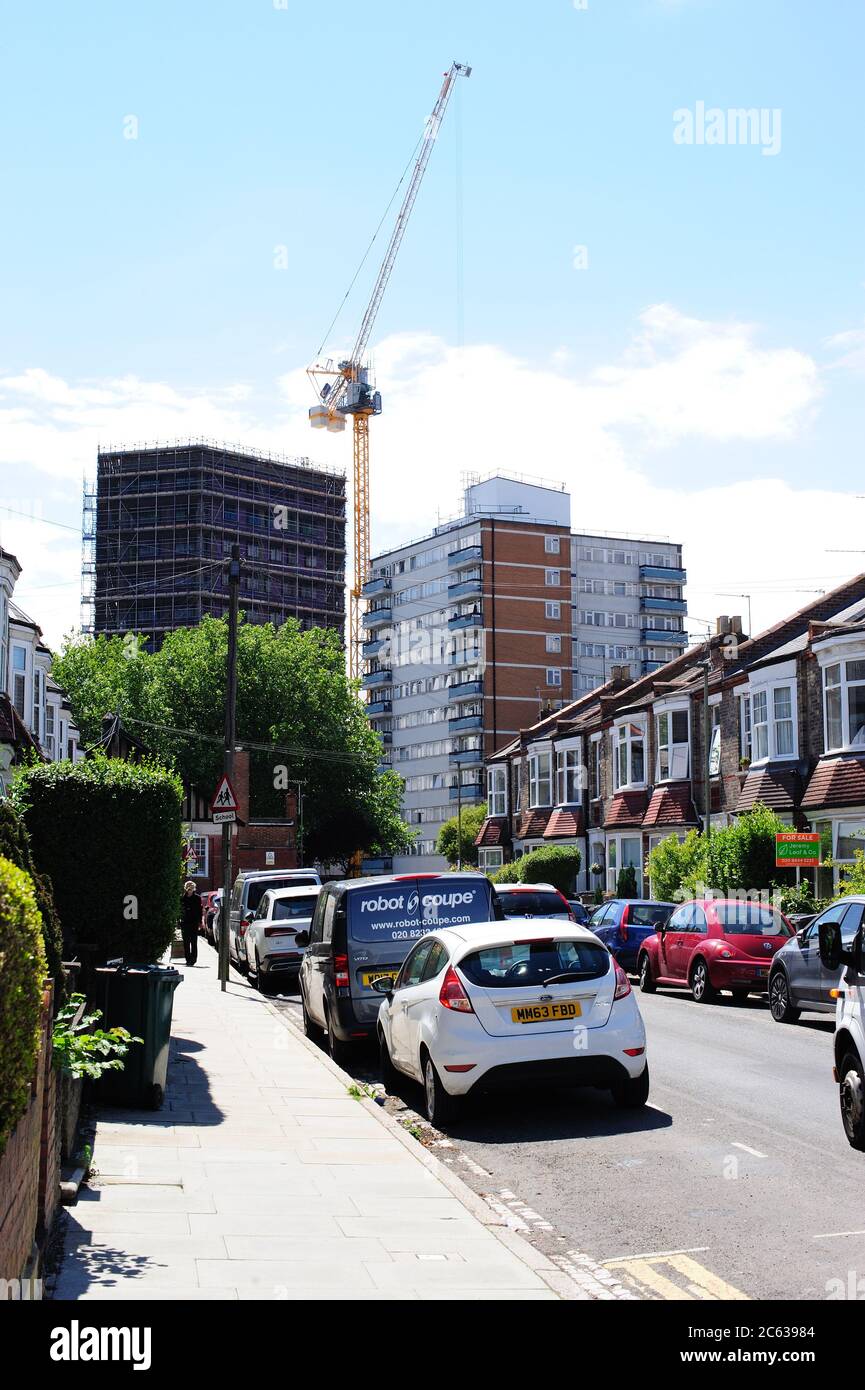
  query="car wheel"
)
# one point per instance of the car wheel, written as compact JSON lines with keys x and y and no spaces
{"x":647,"y":983}
{"x":701,"y":985}
{"x":441,"y":1108}
{"x":339,"y":1051}
{"x":388,"y":1071}
{"x":261,"y":983}
{"x":633,"y":1093}
{"x":780,"y":1005}
{"x":311,"y":1030}
{"x":852,"y":1093}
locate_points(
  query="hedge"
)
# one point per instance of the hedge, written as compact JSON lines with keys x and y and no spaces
{"x":108,"y":835}
{"x":15,"y":846}
{"x":22,"y":976}
{"x":556,"y":864}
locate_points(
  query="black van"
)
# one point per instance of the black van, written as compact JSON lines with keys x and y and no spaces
{"x":362,"y":931}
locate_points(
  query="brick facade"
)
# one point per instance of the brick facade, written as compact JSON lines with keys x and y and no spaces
{"x":29,"y":1167}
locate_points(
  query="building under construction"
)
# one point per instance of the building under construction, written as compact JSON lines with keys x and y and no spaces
{"x":160,"y":521}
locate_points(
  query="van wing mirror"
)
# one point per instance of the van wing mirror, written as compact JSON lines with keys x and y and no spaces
{"x":301,"y":938}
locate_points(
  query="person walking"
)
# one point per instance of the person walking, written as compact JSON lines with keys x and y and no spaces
{"x":190,"y":920}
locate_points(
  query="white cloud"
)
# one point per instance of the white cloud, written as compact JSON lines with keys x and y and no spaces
{"x":448,"y":410}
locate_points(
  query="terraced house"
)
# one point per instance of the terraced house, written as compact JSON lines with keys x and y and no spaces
{"x":777,"y":718}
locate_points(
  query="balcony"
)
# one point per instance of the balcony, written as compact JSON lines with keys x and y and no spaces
{"x":465,"y":690}
{"x":386,"y":737}
{"x":374,"y":648}
{"x":466,"y":724}
{"x":466,"y":656}
{"x":467,"y":793}
{"x":371,"y":679}
{"x":461,"y":622}
{"x":376,"y":708}
{"x":381,"y":585}
{"x":662,"y":605}
{"x":657,"y":636}
{"x":470,"y":757}
{"x":377,"y":617}
{"x":466,"y":588}
{"x":664,"y":574}
{"x":462,"y":559}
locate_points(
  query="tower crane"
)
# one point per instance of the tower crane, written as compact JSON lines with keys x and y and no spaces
{"x":345,"y":388}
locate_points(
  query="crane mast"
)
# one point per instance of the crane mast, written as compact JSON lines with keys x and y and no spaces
{"x":344,"y":388}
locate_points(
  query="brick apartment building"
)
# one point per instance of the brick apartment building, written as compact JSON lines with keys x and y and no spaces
{"x":627,"y":764}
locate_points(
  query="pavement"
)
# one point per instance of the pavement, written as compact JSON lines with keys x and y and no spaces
{"x":263,"y":1177}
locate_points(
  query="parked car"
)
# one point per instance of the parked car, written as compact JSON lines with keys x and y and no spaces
{"x":581,"y":913}
{"x":210,"y":909}
{"x":498,"y":1006}
{"x":270,"y":940}
{"x":849,"y":1042}
{"x":534,"y":900}
{"x":714,"y":943}
{"x":798,"y":979}
{"x":361,"y":932}
{"x":246,"y":894}
{"x":623,"y":924}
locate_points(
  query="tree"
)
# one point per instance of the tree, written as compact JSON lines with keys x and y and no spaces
{"x":292,"y":692}
{"x":675,"y":862}
{"x":626,"y":883}
{"x":448,"y":842}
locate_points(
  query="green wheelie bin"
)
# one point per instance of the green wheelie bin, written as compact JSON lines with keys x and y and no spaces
{"x":139,"y":998}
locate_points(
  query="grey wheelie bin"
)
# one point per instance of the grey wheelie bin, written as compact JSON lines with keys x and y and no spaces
{"x":139,"y":998}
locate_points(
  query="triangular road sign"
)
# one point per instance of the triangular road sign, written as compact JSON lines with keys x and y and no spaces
{"x":224,"y":798}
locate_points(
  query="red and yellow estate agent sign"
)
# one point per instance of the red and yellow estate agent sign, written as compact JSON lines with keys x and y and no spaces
{"x":797,"y":851}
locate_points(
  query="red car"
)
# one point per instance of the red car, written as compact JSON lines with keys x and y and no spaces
{"x":714,"y":943}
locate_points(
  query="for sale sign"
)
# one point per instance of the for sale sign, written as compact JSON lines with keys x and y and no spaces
{"x":797,"y":851}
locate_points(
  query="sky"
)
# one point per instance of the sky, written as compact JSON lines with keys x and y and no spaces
{"x":607,"y":280}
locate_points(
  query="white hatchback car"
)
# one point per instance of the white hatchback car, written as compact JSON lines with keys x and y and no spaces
{"x":534,"y":900}
{"x":498,"y":1005}
{"x":271,"y":948}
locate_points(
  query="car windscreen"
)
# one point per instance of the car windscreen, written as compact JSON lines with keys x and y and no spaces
{"x":529,"y":904}
{"x":648,"y":914}
{"x":258,"y":888}
{"x":406,"y":910}
{"x":750,"y":919}
{"x":287,"y":909}
{"x":523,"y":964}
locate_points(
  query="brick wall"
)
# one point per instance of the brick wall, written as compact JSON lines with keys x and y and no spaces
{"x":29,"y":1168}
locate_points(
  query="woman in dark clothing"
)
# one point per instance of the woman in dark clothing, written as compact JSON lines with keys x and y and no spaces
{"x":190,"y":920}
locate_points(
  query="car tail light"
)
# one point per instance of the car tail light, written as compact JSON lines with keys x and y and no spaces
{"x":452,"y":994}
{"x":340,"y":966}
{"x":244,"y":924}
{"x":280,"y":931}
{"x":623,"y":926}
{"x":462,"y":1066}
{"x":623,"y":984}
{"x":634,"y":1051}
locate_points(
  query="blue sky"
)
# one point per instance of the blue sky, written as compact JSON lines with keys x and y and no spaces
{"x":262,"y":126}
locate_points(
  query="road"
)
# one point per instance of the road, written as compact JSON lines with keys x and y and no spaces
{"x":736,"y":1182}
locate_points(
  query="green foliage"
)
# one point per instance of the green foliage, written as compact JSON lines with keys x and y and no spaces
{"x":81,"y":1050}
{"x":555,"y":864}
{"x":626,"y":882}
{"x":739,"y":857}
{"x":15,"y":846}
{"x":508,"y":873}
{"x":796,"y":897}
{"x":851,"y":878}
{"x":108,"y":834}
{"x":22,"y":976}
{"x":674,"y":863}
{"x":291,"y":690}
{"x":447,"y":843}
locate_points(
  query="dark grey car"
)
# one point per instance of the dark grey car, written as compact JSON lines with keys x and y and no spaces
{"x":799,"y":981}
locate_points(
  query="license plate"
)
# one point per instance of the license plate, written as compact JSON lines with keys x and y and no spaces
{"x":761,"y":970}
{"x":546,"y":1013}
{"x":369,"y":979}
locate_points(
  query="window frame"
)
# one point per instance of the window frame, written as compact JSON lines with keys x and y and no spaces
{"x":497,"y":790}
{"x":539,"y":781}
{"x":843,"y":686}
{"x":671,"y":744}
{"x":634,"y":731}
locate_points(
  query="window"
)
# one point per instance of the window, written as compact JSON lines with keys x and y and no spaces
{"x":844,"y":692}
{"x":553,"y":610}
{"x":760,"y":724}
{"x":595,"y":770}
{"x":772,"y":723}
{"x":569,"y":778}
{"x":540,"y":780}
{"x":782,"y":701}
{"x":715,"y":743}
{"x":745,"y":727}
{"x":413,"y":968}
{"x":554,"y":642}
{"x":497,"y":791}
{"x":551,"y":545}
{"x":554,"y":675}
{"x":516,"y":789}
{"x":630,"y":759}
{"x":552,"y":578}
{"x":490,"y":859}
{"x":850,"y":839}
{"x":623,"y":852}
{"x":673,"y":759}
{"x":196,"y":856}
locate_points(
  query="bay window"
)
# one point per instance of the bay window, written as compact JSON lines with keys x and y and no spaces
{"x":490,"y":859}
{"x":673,"y":745}
{"x":773,"y":726}
{"x":629,"y":754}
{"x":569,"y":778}
{"x":760,"y":724}
{"x":844,"y":702}
{"x":497,"y":791}
{"x":516,"y":788}
{"x":541,"y":779}
{"x":595,"y":769}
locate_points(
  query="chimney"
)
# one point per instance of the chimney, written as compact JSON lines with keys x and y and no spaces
{"x":736,"y":624}
{"x":621,"y":675}
{"x":722,"y":625}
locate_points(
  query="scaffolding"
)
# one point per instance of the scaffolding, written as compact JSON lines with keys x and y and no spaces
{"x":160,"y":520}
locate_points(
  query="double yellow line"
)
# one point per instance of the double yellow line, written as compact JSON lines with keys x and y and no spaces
{"x":647,"y":1272}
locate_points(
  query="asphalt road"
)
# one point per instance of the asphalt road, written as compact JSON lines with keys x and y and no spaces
{"x":736,"y":1181}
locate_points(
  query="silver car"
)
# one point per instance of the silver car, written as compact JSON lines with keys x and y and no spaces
{"x":799,"y":981}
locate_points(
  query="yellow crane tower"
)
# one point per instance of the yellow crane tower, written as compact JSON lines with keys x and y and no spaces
{"x":344,"y":388}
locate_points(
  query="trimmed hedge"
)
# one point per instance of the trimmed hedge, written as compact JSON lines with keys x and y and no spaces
{"x":22,"y":977}
{"x":108,"y":834}
{"x":556,"y":864}
{"x":15,"y":846}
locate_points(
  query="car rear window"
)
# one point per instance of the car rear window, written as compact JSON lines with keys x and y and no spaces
{"x":286,"y":909}
{"x":528,"y":904}
{"x":750,"y":919}
{"x":406,"y":910}
{"x":648,"y":914}
{"x":258,"y":888}
{"x":523,"y":964}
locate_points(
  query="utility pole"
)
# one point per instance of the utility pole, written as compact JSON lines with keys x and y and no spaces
{"x":707,"y":746}
{"x":228,"y":757}
{"x":459,"y":818}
